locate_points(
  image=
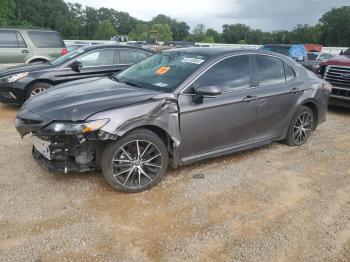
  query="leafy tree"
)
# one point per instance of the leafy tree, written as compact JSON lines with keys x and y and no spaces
{"x":164,"y":32}
{"x":335,"y":27}
{"x":140,"y":32}
{"x":214,"y":34}
{"x":7,"y":12}
{"x":105,"y":31}
{"x":234,"y":33}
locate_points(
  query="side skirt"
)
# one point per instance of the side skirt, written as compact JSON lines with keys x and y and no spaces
{"x":228,"y":150}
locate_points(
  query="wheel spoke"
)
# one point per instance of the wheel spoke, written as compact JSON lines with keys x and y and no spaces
{"x":122,"y":172}
{"x":129,"y":174}
{"x":138,"y":149}
{"x":145,"y":150}
{"x":126,"y":153}
{"x":144,"y":173}
{"x":154,"y":165}
{"x":152,"y":158}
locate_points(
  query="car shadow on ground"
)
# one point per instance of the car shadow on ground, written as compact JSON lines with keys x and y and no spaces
{"x":339,"y":110}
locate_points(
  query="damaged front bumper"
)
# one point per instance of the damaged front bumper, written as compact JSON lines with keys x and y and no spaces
{"x":70,"y":153}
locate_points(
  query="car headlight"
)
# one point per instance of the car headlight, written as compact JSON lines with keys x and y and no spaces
{"x":14,"y":78}
{"x":67,"y":128}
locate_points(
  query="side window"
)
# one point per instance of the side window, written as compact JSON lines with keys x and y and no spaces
{"x":231,"y":73}
{"x":290,"y":74}
{"x":270,"y":70}
{"x":100,"y":57}
{"x":131,"y":56}
{"x":46,"y":39}
{"x":8,"y":39}
{"x":20,"y":40}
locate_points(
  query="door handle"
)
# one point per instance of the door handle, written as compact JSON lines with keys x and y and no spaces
{"x":295,"y":89}
{"x":249,"y":98}
{"x":25,"y":51}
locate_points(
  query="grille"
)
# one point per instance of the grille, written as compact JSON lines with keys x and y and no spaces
{"x":339,"y":77}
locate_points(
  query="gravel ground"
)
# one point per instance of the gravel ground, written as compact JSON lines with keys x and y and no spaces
{"x":275,"y":203}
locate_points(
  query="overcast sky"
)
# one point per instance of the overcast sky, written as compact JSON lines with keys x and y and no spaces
{"x":263,"y":14}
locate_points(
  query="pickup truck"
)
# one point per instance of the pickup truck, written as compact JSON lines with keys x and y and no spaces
{"x":337,"y":72}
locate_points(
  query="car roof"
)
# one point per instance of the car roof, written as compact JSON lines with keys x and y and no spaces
{"x":217,"y":51}
{"x":99,"y":46}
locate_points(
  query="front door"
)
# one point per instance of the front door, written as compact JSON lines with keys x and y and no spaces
{"x":208,"y":124}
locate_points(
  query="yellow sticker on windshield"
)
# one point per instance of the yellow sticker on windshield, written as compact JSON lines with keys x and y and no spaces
{"x":162,"y":70}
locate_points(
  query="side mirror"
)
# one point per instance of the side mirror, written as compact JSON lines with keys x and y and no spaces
{"x":207,"y":90}
{"x":76,"y":65}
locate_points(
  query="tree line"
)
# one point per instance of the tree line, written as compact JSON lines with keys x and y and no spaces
{"x":75,"y":21}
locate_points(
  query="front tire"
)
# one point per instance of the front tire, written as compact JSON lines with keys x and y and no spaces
{"x":37,"y":88}
{"x":300,"y":127}
{"x":136,"y":162}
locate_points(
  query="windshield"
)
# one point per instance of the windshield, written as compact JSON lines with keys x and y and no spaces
{"x":66,"y":57}
{"x":163,"y":71}
{"x":278,"y":49}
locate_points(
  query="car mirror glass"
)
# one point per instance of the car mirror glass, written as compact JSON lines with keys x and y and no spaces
{"x":76,"y":65}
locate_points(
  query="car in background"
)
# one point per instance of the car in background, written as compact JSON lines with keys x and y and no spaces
{"x":314,"y":59}
{"x":23,"y":46}
{"x":175,"y":107}
{"x":337,"y":72}
{"x":17,"y":84}
{"x":296,"y":52}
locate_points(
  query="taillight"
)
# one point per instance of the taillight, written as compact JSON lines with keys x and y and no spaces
{"x":64,"y":51}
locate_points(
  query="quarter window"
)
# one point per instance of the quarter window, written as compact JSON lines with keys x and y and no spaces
{"x":290,"y":74}
{"x":131,"y":56}
{"x":270,"y":70}
{"x":8,"y":39}
{"x":102,"y":57}
{"x":231,"y":73}
{"x":46,"y":39}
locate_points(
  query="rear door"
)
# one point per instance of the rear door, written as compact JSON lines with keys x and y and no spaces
{"x":13,"y":49}
{"x":278,"y":91}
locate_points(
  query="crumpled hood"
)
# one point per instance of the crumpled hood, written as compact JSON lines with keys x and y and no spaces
{"x":24,"y":68}
{"x":77,"y":100}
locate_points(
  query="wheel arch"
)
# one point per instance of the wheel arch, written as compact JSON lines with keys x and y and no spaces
{"x":29,"y":86}
{"x":312,"y":104}
{"x":37,"y":59}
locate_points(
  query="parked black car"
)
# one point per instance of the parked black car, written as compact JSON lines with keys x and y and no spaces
{"x":17,"y":84}
{"x":175,"y":107}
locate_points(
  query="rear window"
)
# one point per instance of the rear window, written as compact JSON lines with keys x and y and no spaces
{"x":10,"y":39}
{"x":46,"y":39}
{"x":131,"y":56}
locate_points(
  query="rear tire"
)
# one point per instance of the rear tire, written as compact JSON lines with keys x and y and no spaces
{"x":135,"y":162}
{"x":300,"y":127}
{"x":37,"y":88}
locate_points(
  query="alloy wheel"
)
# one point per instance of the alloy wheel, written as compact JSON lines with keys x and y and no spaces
{"x":136,"y":163}
{"x":302,"y":127}
{"x":37,"y":91}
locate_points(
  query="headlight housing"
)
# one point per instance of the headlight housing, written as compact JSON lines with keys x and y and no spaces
{"x":14,"y":78}
{"x":77,"y":128}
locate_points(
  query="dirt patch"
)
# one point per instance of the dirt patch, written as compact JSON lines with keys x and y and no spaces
{"x":275,"y":203}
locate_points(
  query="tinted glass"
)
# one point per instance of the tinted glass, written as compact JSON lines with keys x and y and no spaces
{"x":162,"y":71}
{"x":131,"y":56}
{"x":100,"y":57}
{"x":325,"y":56}
{"x":20,"y":40}
{"x":278,"y":49}
{"x":270,"y":70}
{"x":230,"y":73}
{"x":46,"y":39}
{"x":290,"y":74}
{"x":66,"y":57}
{"x":8,"y":39}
